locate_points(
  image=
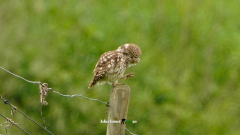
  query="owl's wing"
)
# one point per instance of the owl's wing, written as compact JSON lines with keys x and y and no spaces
{"x":102,"y":67}
{"x":106,"y":62}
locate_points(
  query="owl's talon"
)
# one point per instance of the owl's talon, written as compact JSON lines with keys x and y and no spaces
{"x":129,"y":75}
{"x":116,"y":84}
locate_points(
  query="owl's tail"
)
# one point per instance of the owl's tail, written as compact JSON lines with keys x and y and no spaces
{"x":96,"y":78}
{"x":91,"y":84}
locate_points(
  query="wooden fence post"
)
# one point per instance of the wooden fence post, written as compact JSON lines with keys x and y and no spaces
{"x":118,"y":109}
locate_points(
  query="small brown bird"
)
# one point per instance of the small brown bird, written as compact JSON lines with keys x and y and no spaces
{"x":112,"y":65}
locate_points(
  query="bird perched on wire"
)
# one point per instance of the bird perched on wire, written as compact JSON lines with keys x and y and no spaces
{"x":112,"y":65}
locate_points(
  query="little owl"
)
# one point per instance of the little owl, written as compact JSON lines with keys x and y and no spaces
{"x":112,"y":65}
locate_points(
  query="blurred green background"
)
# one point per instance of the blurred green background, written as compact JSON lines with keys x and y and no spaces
{"x":187,"y":82}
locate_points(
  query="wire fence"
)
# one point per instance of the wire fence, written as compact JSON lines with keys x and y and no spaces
{"x":19,"y":76}
{"x":43,"y":87}
{"x":76,"y":95}
{"x":16,"y":109}
{"x":10,"y":123}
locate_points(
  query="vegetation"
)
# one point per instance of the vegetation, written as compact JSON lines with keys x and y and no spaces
{"x":187,"y":82}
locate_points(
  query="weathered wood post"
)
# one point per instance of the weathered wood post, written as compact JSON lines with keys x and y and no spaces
{"x":118,"y":109}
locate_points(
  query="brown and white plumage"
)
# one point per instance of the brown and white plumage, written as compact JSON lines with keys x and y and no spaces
{"x":112,"y":65}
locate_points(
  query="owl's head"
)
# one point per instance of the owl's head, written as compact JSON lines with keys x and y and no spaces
{"x":132,"y":51}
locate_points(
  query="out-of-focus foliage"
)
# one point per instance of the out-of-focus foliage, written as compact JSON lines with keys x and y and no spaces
{"x":187,"y":81}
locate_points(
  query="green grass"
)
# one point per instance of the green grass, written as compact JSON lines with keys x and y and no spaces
{"x":187,"y":82}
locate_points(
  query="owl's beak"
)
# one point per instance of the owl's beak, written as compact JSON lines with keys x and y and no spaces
{"x":137,"y":61}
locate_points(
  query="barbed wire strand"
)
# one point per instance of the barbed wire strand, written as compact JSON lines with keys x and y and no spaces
{"x":130,"y":132}
{"x":14,"y":124}
{"x":19,"y":76}
{"x":7,"y":102}
{"x":76,"y":95}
